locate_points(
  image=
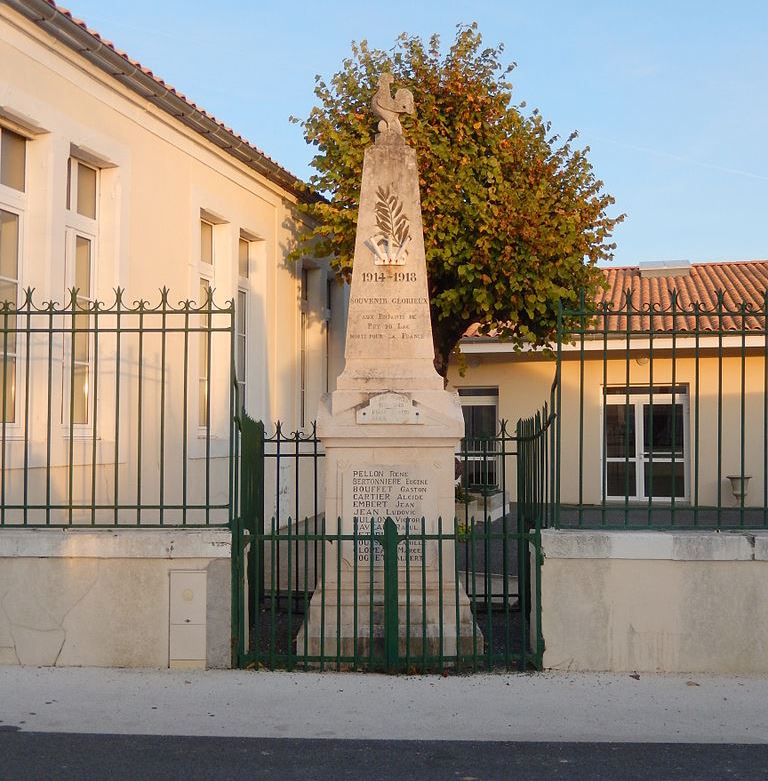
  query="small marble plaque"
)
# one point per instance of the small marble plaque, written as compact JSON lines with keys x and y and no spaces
{"x":389,"y":408}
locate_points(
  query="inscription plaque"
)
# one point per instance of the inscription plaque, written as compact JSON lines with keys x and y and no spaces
{"x":389,"y":408}
{"x":374,"y":492}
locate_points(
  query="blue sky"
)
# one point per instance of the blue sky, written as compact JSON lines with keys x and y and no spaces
{"x":671,"y":97}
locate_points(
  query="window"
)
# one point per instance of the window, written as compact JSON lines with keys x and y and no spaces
{"x":243,"y":257}
{"x":13,"y":160}
{"x":210,"y":253}
{"x":241,"y":324}
{"x":206,"y":242}
{"x":82,"y":181}
{"x":204,"y":357}
{"x":479,"y":447}
{"x":13,"y":165}
{"x":328,"y":304}
{"x":645,"y":435}
{"x":9,"y":291}
{"x":241,"y":339}
{"x":303,"y":345}
{"x":82,"y":229}
{"x":81,"y":353}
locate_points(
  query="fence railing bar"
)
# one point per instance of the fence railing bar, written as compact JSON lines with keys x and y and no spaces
{"x":27,"y":363}
{"x":95,"y":413}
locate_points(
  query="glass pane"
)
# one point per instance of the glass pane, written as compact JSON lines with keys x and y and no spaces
{"x":83,"y":266}
{"x":13,"y":155}
{"x":8,"y":389}
{"x":203,"y":397}
{"x":620,"y":479}
{"x":86,"y":191}
{"x":9,"y":245}
{"x":80,"y":394}
{"x":659,"y":427}
{"x":82,"y":341}
{"x":69,"y":183}
{"x":242,"y":258}
{"x":242,"y":308}
{"x":241,"y":357}
{"x":620,"y":431}
{"x":8,"y":292}
{"x":206,"y":242}
{"x":660,"y":484}
{"x":204,"y":354}
{"x":479,"y":421}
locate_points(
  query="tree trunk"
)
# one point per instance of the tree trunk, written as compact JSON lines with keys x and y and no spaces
{"x":445,"y":337}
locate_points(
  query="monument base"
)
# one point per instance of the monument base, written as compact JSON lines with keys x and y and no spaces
{"x":343,"y":628}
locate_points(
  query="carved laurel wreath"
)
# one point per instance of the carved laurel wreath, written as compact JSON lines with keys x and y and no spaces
{"x":390,"y":219}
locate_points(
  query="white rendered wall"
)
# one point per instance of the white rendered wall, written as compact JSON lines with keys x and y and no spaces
{"x":655,"y":601}
{"x":102,"y":598}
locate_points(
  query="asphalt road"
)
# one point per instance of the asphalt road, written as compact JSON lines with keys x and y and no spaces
{"x":52,"y":756}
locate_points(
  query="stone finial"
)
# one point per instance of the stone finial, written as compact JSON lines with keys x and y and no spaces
{"x":387,"y":108}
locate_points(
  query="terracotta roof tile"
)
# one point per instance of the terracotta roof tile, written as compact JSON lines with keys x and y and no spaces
{"x":741,"y":283}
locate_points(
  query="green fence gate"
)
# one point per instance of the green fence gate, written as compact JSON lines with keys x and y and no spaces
{"x":294,"y":609}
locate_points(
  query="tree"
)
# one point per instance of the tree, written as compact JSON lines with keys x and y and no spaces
{"x":514,"y":219}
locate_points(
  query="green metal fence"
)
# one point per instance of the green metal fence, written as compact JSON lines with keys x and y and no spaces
{"x":116,"y":415}
{"x":435,"y":594}
{"x":663,"y":414}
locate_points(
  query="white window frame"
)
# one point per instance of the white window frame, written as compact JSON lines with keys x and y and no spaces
{"x":14,"y":427}
{"x":10,"y":194}
{"x":203,"y":427}
{"x":204,"y":263}
{"x":477,"y":399}
{"x":70,"y":253}
{"x":636,"y":402}
{"x":84,"y":227}
{"x":327,"y":314}
{"x":15,"y":202}
{"x":241,"y":372}
{"x":304,"y":299}
{"x":74,"y":218}
{"x":243,"y":290}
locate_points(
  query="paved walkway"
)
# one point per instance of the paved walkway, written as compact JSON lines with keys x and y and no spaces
{"x":535,"y":707}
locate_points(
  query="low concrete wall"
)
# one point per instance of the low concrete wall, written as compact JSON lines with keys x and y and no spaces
{"x":102,"y":598}
{"x":655,"y":601}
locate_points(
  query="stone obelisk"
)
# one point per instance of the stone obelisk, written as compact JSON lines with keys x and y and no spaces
{"x":390,"y":430}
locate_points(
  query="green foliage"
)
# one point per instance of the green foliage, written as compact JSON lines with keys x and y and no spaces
{"x":514,"y":219}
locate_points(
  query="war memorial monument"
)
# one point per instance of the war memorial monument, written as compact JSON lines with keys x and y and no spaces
{"x":390,"y":430}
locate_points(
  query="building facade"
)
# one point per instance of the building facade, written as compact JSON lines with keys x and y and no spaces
{"x":149,"y":297}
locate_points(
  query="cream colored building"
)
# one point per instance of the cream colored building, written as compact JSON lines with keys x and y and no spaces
{"x":719,"y":401}
{"x":109,"y":178}
{"x":630,"y":580}
{"x":117,"y":181}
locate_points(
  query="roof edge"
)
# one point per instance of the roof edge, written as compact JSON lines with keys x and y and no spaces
{"x":63,"y":27}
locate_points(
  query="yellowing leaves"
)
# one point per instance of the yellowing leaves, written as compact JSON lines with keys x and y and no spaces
{"x":509,"y":213}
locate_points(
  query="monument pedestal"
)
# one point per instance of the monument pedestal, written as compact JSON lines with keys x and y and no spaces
{"x":390,"y":432}
{"x":390,"y":455}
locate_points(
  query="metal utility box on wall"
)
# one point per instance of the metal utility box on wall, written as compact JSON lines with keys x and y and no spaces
{"x":187,"y":630}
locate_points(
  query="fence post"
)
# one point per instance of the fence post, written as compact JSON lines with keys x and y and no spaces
{"x":391,"y":628}
{"x":252,"y":516}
